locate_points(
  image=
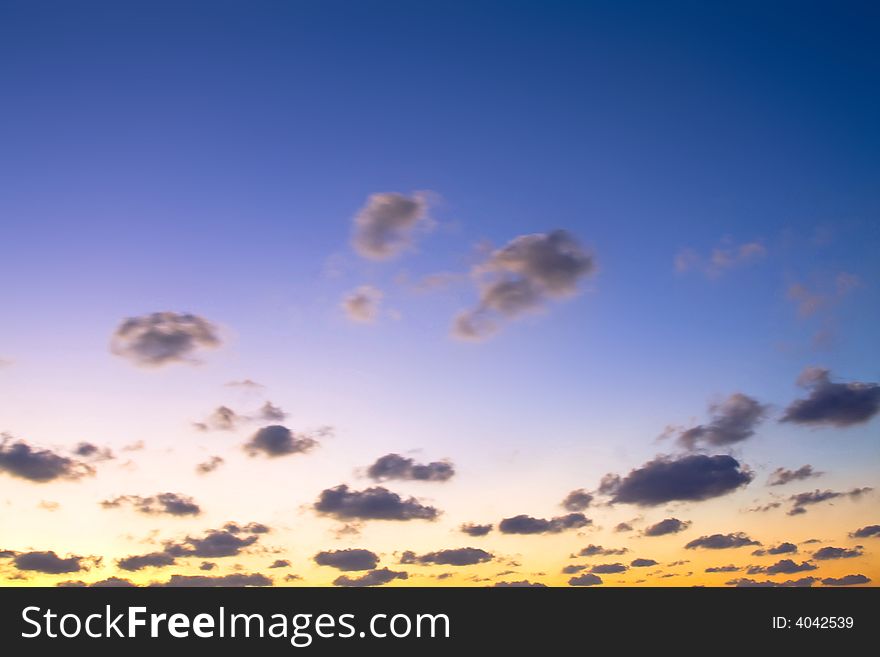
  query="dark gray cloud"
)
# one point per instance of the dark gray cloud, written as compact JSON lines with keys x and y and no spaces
{"x":280,"y":563}
{"x":161,"y":338}
{"x":466,"y":556}
{"x":692,"y":478}
{"x":587,"y":579}
{"x":48,"y":562}
{"x":93,"y":452}
{"x":395,"y":466}
{"x":523,"y":524}
{"x":597,"y":550}
{"x":833,"y":404}
{"x":577,"y":500}
{"x":110,"y":582}
{"x":141,"y":561}
{"x":237,"y":580}
{"x":522,"y":277}
{"x":623,"y":527}
{"x":800,"y":501}
{"x":207,"y":565}
{"x":723,"y":569}
{"x":172,"y":504}
{"x":226,"y":542}
{"x":721,"y":541}
{"x":574,"y":568}
{"x":733,"y":421}
{"x":376,"y":503}
{"x":667,"y":526}
{"x":642,"y":563}
{"x":746,"y":582}
{"x":827,"y":553}
{"x":608,"y":568}
{"x":472,"y":529}
{"x":867,"y":531}
{"x":387,"y":225}
{"x":782,"y":548}
{"x":210,"y":465}
{"x":276,"y":440}
{"x":349,"y":559}
{"x":19,"y":459}
{"x":371,"y":578}
{"x":523,"y":583}
{"x":363,"y":304}
{"x":782,"y":476}
{"x":846,"y":580}
{"x":782,"y":567}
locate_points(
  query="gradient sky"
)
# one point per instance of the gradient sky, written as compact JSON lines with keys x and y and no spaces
{"x":718,"y":165}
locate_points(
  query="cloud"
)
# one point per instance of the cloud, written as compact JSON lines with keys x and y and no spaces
{"x":165,"y":337}
{"x":846,"y":580}
{"x":667,"y":526}
{"x":245,"y":383}
{"x":475,"y":530}
{"x":723,"y":257}
{"x":210,"y":465}
{"x":226,"y":542}
{"x":723,"y":569}
{"x":523,"y":524}
{"x":721,"y":541}
{"x":782,"y":476}
{"x":93,"y":452}
{"x":172,"y":504}
{"x":746,"y":582}
{"x":608,"y":568}
{"x":350,"y":559}
{"x":597,"y":550}
{"x":276,"y":440}
{"x":19,"y":459}
{"x":466,"y":556}
{"x":782,"y":548}
{"x":110,"y":582}
{"x":207,"y":565}
{"x":587,"y":579}
{"x":222,"y":418}
{"x":395,"y":466}
{"x":692,"y":478}
{"x":141,"y":561}
{"x":237,"y":580}
{"x":521,"y":277}
{"x":523,"y":583}
{"x":809,"y":302}
{"x":48,"y":562}
{"x":802,"y":500}
{"x":387,"y":225}
{"x":867,"y":531}
{"x":782,"y":567}
{"x":642,"y":563}
{"x":833,"y":404}
{"x":375,"y":503}
{"x":827,"y":553}
{"x":371,"y":578}
{"x":269,"y":412}
{"x":363,"y":304}
{"x":623,"y":527}
{"x":577,"y":500}
{"x":733,"y":421}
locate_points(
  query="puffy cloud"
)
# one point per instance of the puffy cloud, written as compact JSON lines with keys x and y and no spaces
{"x":371,"y":578}
{"x":846,"y":580}
{"x":172,"y":504}
{"x":523,"y":524}
{"x":222,"y":418}
{"x":587,"y":579}
{"x":522,"y":277}
{"x":642,"y":563}
{"x":782,"y":548}
{"x":782,"y":567}
{"x":667,"y":526}
{"x":350,"y":559}
{"x":375,"y":503}
{"x":210,"y":465}
{"x":19,"y":459}
{"x":269,"y":412}
{"x":827,"y":553}
{"x":597,"y":550}
{"x":363,"y":304}
{"x":721,"y":541}
{"x":93,"y":452}
{"x":867,"y":531}
{"x":48,"y":562}
{"x":523,"y":583}
{"x":623,"y":527}
{"x":733,"y":420}
{"x":164,"y":337}
{"x":395,"y":466}
{"x":746,"y":582}
{"x":833,"y":404}
{"x":277,"y":440}
{"x":782,"y":476}
{"x":280,"y":563}
{"x":723,"y":257}
{"x":467,"y":556}
{"x":800,"y":501}
{"x":387,"y":225}
{"x":141,"y":561}
{"x":226,"y":542}
{"x":692,"y":478}
{"x":475,"y":530}
{"x":232,"y":580}
{"x":577,"y":500}
{"x":608,"y":568}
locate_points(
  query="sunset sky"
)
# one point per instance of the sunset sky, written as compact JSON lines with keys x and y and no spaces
{"x":311,"y":293}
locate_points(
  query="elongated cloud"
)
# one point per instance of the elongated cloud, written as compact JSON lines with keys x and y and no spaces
{"x":746,"y":582}
{"x":475,"y":530}
{"x":828,"y":553}
{"x":782,"y":476}
{"x":467,"y":556}
{"x":689,"y":478}
{"x":162,"y":338}
{"x":522,"y":277}
{"x":172,"y":504}
{"x":723,"y":257}
{"x":833,"y":404}
{"x":210,"y":465}
{"x":846,"y":580}
{"x":229,"y":541}
{"x":587,"y":579}
{"x":150,"y":560}
{"x":395,"y":466}
{"x":721,"y":541}
{"x":867,"y":531}
{"x":375,"y":503}
{"x":782,"y":567}
{"x":371,"y":578}
{"x":800,"y":501}
{"x":782,"y":548}
{"x":277,"y":440}
{"x":387,"y":225}
{"x":48,"y":562}
{"x":523,"y":524}
{"x":237,"y":580}
{"x":19,"y":459}
{"x":733,"y":421}
{"x":667,"y":526}
{"x":597,"y":550}
{"x":350,"y":559}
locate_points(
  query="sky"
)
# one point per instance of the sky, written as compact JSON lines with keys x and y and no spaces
{"x":431,"y":294}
